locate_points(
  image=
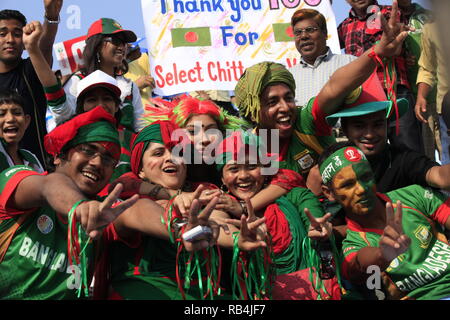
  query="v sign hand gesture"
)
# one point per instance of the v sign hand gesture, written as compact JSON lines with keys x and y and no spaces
{"x":393,"y":242}
{"x":320,"y":228}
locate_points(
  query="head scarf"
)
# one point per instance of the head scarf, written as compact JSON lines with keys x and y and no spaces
{"x":160,"y":132}
{"x":252,"y":83}
{"x":96,"y":125}
{"x":340,"y":159}
{"x":236,"y":146}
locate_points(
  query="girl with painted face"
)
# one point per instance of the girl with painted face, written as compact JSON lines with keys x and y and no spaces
{"x":292,"y":220}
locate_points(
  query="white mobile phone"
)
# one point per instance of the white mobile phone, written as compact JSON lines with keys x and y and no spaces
{"x":196,"y":233}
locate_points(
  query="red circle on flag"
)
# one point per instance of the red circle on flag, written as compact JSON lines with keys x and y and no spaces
{"x":289,"y":31}
{"x":191,"y":36}
{"x":352,"y":154}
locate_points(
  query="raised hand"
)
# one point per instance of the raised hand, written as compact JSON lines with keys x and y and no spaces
{"x":52,"y":9}
{"x":253,"y":229}
{"x":198,"y":217}
{"x":394,"y":33}
{"x":184,"y":200}
{"x":95,"y":215}
{"x":319,"y":228}
{"x":32,"y":33}
{"x":393,"y":242}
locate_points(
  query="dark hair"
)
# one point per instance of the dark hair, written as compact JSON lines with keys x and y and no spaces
{"x":303,"y":14}
{"x":9,"y":96}
{"x":13,"y":15}
{"x":90,"y":56}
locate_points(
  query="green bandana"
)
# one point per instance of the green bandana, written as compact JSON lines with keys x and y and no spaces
{"x":252,"y":83}
{"x":340,"y":159}
{"x":94,"y":132}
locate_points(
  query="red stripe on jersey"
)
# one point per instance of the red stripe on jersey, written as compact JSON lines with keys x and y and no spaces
{"x":55,"y":95}
{"x":442,"y":213}
{"x":322,"y":127}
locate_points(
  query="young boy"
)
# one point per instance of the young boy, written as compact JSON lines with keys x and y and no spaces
{"x":13,"y":124}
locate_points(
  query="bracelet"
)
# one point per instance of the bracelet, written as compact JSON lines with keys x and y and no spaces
{"x":244,"y":207}
{"x":155,"y":191}
{"x":52,"y":21}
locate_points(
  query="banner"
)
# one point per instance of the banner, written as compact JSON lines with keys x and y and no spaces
{"x":207,"y":44}
{"x":69,"y":54}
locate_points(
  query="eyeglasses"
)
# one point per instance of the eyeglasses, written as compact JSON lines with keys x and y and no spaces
{"x":91,"y":153}
{"x":115,"y":41}
{"x":308,"y":30}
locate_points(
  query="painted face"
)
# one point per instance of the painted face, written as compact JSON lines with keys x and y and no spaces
{"x":113,"y":51}
{"x":360,"y":4}
{"x":11,"y":45}
{"x":161,"y":167}
{"x":354,"y":188}
{"x":278,"y":110}
{"x":310,"y":41}
{"x":100,"y":97}
{"x":90,"y":165}
{"x":203,"y":130}
{"x":13,"y":123}
{"x":367,"y":132}
{"x":242,"y":180}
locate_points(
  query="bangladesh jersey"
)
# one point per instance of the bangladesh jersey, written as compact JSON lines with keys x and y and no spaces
{"x":423,"y":271}
{"x":28,"y":158}
{"x":33,"y":248}
{"x":310,"y":137}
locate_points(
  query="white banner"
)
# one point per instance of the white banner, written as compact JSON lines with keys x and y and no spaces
{"x":207,"y":44}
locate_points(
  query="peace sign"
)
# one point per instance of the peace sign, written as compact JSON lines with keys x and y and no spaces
{"x":394,"y":33}
{"x":95,"y":215}
{"x":319,"y":228}
{"x":253,"y":229}
{"x":393,"y":242}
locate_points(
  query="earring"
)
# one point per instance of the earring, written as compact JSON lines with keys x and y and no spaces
{"x":98,"y":57}
{"x":224,"y":188}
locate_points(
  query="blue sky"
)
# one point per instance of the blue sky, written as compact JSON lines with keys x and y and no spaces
{"x":127,"y":12}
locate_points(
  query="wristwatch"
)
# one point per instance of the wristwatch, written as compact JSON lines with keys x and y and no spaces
{"x":52,"y":21}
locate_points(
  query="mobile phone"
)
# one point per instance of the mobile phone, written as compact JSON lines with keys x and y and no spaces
{"x":196,"y":233}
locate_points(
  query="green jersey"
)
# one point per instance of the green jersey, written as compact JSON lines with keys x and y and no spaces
{"x":33,"y":248}
{"x":310,"y":137}
{"x":423,"y":271}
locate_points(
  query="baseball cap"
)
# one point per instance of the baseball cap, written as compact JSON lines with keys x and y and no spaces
{"x":110,"y":26}
{"x":96,"y":79}
{"x":368,"y":98}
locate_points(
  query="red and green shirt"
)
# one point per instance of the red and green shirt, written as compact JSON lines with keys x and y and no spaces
{"x":423,"y":271}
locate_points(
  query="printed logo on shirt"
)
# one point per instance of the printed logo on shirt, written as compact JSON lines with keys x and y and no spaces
{"x":44,"y":224}
{"x":423,"y":234}
{"x":396,"y":262}
{"x":306,"y":161}
{"x":428,"y":194}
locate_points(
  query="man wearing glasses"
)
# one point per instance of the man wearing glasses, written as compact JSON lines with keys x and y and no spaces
{"x":317,"y":62}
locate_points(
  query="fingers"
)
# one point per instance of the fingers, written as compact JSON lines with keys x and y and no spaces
{"x":112,"y":197}
{"x":389,"y":214}
{"x":252,"y":226}
{"x":193,"y":212}
{"x":394,"y":13}
{"x":250,"y":210}
{"x":206,"y":212}
{"x":420,"y":109}
{"x":124,"y":205}
{"x":198,"y":191}
{"x":398,"y":217}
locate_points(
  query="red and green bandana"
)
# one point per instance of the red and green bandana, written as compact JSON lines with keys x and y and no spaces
{"x":96,"y":125}
{"x":340,"y":159}
{"x":160,"y":132}
{"x":236,"y":147}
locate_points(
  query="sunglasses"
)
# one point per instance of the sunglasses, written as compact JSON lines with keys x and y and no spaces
{"x":115,"y":41}
{"x":308,"y":30}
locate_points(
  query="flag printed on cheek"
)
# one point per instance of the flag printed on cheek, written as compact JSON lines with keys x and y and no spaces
{"x":191,"y":37}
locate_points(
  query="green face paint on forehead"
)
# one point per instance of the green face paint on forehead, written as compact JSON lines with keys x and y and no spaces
{"x":366,"y":180}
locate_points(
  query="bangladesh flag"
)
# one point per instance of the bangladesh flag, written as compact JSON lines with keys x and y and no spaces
{"x":191,"y":37}
{"x":283,"y":32}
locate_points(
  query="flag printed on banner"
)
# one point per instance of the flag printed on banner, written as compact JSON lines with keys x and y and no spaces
{"x":283,"y":32}
{"x":191,"y":37}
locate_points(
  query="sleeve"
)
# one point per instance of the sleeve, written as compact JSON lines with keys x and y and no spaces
{"x":350,"y":247}
{"x":415,"y":167}
{"x":58,"y":104}
{"x":427,"y":60}
{"x":312,"y":120}
{"x":138,"y":108}
{"x":341,"y":35}
{"x":9,"y":180}
{"x":288,"y":179}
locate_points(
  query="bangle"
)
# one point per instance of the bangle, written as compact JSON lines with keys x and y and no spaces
{"x":244,"y":207}
{"x":52,"y":21}
{"x":155,"y":191}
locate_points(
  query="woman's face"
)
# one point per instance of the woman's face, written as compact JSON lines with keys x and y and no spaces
{"x":242,"y":180}
{"x":100,"y":97}
{"x":113,"y":51}
{"x":161,"y":167}
{"x":203,"y":131}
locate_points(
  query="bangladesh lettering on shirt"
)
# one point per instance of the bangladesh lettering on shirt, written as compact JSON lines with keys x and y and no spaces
{"x":435,"y":265}
{"x":52,"y":260}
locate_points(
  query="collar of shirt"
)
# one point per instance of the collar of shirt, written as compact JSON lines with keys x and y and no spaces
{"x":352,"y":13}
{"x":319,"y":59}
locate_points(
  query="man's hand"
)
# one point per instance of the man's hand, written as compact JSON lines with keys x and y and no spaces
{"x":52,"y":9}
{"x":421,"y":108}
{"x":184,"y":200}
{"x":319,"y":228}
{"x":95,"y":215}
{"x":393,"y":242}
{"x":32,"y":33}
{"x":394,"y":33}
